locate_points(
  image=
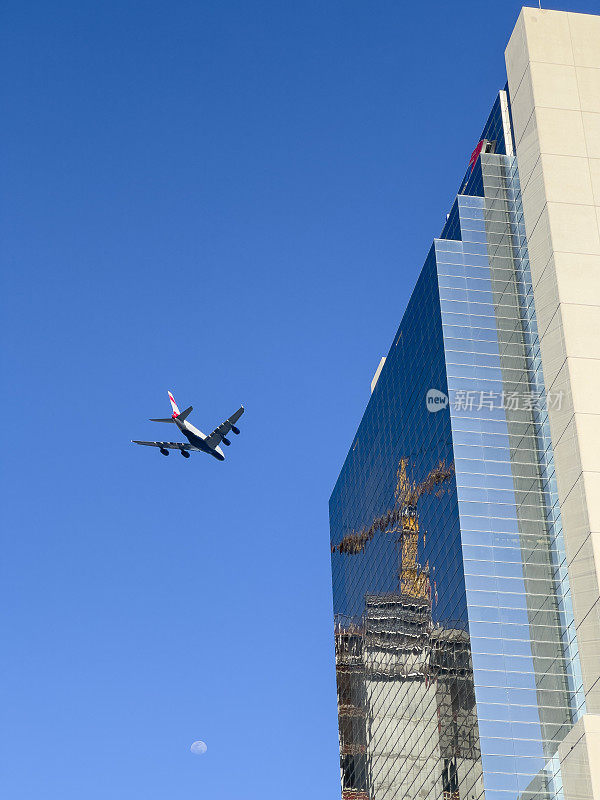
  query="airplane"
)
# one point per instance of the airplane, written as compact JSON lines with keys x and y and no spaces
{"x":198,"y":441}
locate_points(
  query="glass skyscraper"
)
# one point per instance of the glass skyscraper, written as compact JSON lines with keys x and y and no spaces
{"x":464,"y":550}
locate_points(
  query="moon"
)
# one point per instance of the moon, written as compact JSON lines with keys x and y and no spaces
{"x":198,"y":748}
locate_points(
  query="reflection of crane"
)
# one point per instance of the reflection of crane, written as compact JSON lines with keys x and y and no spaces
{"x":413,"y":581}
{"x":403,"y":520}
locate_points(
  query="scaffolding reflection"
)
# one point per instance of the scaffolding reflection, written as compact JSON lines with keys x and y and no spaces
{"x":406,"y":704}
{"x":406,"y":701}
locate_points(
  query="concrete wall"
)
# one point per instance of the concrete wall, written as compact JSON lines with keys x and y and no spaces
{"x":553,"y":66}
{"x":579,"y":755}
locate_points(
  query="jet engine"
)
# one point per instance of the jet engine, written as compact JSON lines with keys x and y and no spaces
{"x":235,"y":430}
{"x":226,"y":441}
{"x":185,"y":454}
{"x":164,"y":451}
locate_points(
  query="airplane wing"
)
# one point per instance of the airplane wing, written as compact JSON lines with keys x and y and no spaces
{"x":169,"y":445}
{"x":217,"y":436}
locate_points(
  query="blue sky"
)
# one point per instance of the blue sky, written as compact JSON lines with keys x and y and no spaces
{"x":231,"y":200}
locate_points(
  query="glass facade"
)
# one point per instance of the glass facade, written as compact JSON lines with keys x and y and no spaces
{"x":456,"y":657}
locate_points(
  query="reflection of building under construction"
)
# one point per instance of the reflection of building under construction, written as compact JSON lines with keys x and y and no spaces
{"x":464,"y":536}
{"x":404,"y":686}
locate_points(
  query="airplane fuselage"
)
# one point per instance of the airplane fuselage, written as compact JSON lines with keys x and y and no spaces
{"x":196,"y":438}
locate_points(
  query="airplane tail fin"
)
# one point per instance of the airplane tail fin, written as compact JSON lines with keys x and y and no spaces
{"x":183,"y":415}
{"x":174,"y":406}
{"x":177,"y":414}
